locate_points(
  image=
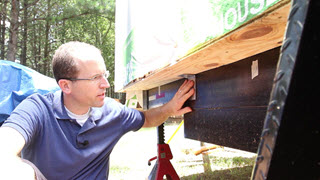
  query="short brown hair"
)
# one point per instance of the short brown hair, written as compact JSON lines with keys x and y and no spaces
{"x":63,"y":61}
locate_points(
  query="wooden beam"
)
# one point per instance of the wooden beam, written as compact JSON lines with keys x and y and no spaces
{"x":261,"y":34}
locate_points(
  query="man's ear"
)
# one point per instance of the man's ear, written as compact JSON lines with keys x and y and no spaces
{"x":65,"y":85}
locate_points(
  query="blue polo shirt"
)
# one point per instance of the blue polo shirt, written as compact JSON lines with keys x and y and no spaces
{"x":61,"y":148}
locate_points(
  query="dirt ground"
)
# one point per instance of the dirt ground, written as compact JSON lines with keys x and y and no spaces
{"x":129,"y":159}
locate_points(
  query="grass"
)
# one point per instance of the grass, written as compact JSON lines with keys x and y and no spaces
{"x":238,"y":173}
{"x":130,"y":156}
{"x":233,"y":162}
{"x":222,"y":168}
{"x":119,"y":169}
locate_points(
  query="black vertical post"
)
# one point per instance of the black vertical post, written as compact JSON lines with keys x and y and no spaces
{"x":160,"y":130}
{"x":289,"y":141}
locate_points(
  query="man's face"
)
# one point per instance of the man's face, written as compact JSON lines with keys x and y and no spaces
{"x":90,"y":93}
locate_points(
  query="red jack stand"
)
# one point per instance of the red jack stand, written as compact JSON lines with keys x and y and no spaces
{"x":163,"y":166}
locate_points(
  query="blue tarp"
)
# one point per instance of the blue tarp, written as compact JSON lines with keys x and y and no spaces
{"x":18,"y":82}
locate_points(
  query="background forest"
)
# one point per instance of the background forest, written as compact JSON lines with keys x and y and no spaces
{"x":31,"y":30}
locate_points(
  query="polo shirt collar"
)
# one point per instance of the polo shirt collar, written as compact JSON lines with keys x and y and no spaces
{"x":95,"y":114}
{"x":58,"y":106}
{"x":61,"y":113}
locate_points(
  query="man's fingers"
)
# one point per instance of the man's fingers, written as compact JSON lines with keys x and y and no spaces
{"x":182,"y":87}
{"x":183,"y":94}
{"x":185,"y":87}
{"x":186,"y":96}
{"x":184,"y":111}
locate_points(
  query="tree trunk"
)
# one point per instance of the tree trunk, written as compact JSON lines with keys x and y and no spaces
{"x":23,"y":57}
{"x":33,"y":41}
{"x":14,"y":26}
{"x":39,"y":63}
{"x":46,"y":43}
{"x":3,"y":29}
{"x":1,"y":9}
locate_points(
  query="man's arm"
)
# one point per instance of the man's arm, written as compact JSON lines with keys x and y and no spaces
{"x":156,"y":116}
{"x":11,"y":164}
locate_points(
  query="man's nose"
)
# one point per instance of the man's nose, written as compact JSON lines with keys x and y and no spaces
{"x":105,"y":83}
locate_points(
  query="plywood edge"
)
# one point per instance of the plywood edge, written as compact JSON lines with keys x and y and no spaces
{"x":261,"y":34}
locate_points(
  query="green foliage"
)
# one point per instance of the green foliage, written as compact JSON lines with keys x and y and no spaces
{"x":119,"y":169}
{"x":49,"y":23}
{"x":238,"y":173}
{"x":230,"y":168}
{"x":233,"y":162}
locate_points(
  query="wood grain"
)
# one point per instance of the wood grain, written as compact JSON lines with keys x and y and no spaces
{"x":262,"y":34}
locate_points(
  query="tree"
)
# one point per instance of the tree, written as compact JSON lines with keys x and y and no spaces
{"x":38,"y":27}
{"x":3,"y":18}
{"x":24,"y":32}
{"x":14,"y":25}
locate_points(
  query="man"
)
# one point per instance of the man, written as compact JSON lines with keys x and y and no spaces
{"x":70,"y":134}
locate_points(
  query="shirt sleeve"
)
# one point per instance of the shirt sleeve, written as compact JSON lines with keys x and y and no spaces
{"x":133,"y":119}
{"x":25,"y":119}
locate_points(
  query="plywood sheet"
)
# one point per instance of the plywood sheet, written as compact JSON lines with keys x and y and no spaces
{"x":262,"y":34}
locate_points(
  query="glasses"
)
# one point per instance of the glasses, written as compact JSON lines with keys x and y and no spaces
{"x":96,"y":78}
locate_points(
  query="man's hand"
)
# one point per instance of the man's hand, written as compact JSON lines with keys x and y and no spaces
{"x":155,"y":117}
{"x":182,"y":95}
